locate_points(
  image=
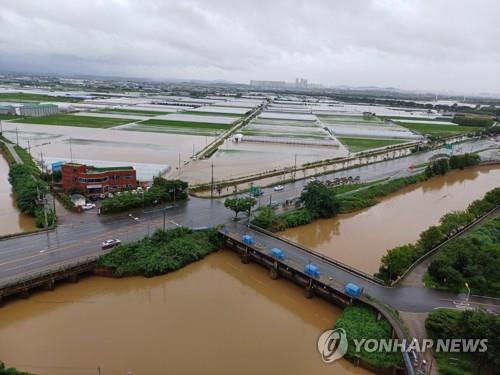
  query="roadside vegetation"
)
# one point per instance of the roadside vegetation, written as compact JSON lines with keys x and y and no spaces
{"x":473,"y":259}
{"x":161,"y":191}
{"x":362,"y":144}
{"x":78,"y":121}
{"x":399,"y":259}
{"x":21,"y":96}
{"x":448,"y":324}
{"x":360,"y":322}
{"x":326,"y":198}
{"x":185,"y":124}
{"x":238,"y":205}
{"x":163,"y":252}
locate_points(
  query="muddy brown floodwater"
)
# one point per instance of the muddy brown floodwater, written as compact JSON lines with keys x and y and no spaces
{"x":360,"y":239}
{"x":216,"y":316}
{"x":11,"y":219}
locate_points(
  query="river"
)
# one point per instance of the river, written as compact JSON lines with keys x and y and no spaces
{"x":216,"y":316}
{"x":361,"y":238}
{"x":11,"y":219}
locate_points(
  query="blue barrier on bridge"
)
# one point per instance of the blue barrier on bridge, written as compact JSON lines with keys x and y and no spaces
{"x":312,"y":270}
{"x":278,"y":253}
{"x":353,"y":290}
{"x":248,"y":240}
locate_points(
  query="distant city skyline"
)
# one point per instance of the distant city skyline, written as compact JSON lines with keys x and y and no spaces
{"x":444,"y":46}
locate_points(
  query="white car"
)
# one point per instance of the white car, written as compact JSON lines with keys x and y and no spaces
{"x":108,"y":244}
{"x":279,"y":188}
{"x":88,"y":206}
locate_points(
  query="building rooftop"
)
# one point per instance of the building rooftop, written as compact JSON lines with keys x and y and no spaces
{"x":92,"y":169}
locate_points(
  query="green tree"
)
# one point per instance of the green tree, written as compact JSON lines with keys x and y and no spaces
{"x":396,"y":262}
{"x":239,"y":205}
{"x":430,"y":238}
{"x":454,"y":221}
{"x":320,"y":200}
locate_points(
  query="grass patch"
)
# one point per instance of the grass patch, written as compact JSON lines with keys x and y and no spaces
{"x":185,"y":124}
{"x":4,"y":116}
{"x":360,"y":322}
{"x":362,"y":144}
{"x":78,"y":121}
{"x":163,"y":252}
{"x":28,"y":161}
{"x":19,"y":96}
{"x":438,"y":131}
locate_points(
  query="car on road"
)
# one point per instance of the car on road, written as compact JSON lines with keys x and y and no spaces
{"x":112,"y":242}
{"x":89,"y":206}
{"x":278,"y":187}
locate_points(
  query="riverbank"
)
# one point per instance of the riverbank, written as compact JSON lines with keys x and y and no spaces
{"x":12,"y":220}
{"x":361,"y":238}
{"x":363,"y":198}
{"x":399,"y":260}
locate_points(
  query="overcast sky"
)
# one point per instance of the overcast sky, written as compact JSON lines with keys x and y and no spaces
{"x":429,"y":44}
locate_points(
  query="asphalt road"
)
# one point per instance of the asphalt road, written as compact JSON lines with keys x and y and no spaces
{"x":406,"y":298}
{"x":80,"y":235}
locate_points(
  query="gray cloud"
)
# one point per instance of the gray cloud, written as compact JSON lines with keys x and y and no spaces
{"x":437,"y":45}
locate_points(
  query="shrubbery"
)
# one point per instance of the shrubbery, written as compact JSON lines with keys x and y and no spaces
{"x":28,"y":189}
{"x":162,"y":191}
{"x":163,"y":252}
{"x":361,"y":322}
{"x":398,"y":259}
{"x":449,"y":324}
{"x":442,"y":166}
{"x":474,"y":259}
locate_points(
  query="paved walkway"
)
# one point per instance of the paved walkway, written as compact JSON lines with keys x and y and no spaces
{"x":12,"y":150}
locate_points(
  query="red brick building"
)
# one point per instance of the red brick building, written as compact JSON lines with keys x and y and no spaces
{"x":95,"y":181}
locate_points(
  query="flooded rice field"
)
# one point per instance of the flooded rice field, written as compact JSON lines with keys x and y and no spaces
{"x":211,"y":317}
{"x":126,"y":147}
{"x":360,"y":239}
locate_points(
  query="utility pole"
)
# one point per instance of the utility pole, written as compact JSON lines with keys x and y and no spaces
{"x":70,"y":151}
{"x":17,"y":137}
{"x":212,"y":182}
{"x":295,"y":167}
{"x":29,"y":148}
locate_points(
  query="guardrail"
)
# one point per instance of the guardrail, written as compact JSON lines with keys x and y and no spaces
{"x":54,"y":269}
{"x":436,"y":248}
{"x":344,"y":266}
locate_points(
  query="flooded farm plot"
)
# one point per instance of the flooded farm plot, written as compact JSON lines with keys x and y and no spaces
{"x":107,"y":145}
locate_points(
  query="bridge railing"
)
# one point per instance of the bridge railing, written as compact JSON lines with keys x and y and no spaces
{"x":48,"y":270}
{"x":321,"y":256}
